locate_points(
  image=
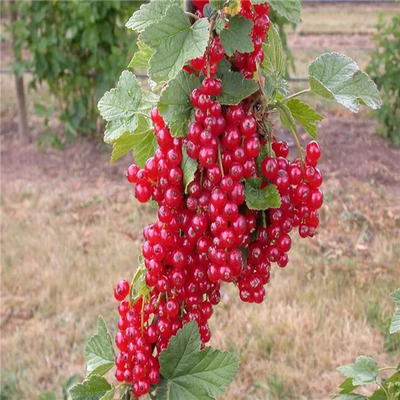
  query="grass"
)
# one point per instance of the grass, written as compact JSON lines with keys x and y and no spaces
{"x":63,"y":248}
{"x":343,"y":19}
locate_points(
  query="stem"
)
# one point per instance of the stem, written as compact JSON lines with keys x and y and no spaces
{"x":142,"y":114}
{"x":142,"y":317}
{"x":194,"y":16}
{"x":383,"y":388}
{"x":387,"y":369}
{"x":298,"y":148}
{"x":221,"y":168}
{"x":210,"y":37}
{"x":297,"y":94}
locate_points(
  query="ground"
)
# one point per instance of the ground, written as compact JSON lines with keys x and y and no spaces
{"x":71,"y":228}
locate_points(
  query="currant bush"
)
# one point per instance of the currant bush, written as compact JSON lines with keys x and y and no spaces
{"x":229,"y":196}
{"x":209,"y":235}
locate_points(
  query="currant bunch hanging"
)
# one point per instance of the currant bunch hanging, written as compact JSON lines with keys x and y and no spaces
{"x":229,"y":194}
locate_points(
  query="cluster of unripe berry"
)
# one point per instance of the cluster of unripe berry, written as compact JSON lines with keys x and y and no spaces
{"x":205,"y":234}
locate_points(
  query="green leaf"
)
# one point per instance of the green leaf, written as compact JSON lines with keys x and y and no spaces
{"x":217,"y":4}
{"x":145,"y":142}
{"x":109,"y":395}
{"x":142,"y":141}
{"x":192,"y":374}
{"x":274,"y":60}
{"x":220,"y":25}
{"x":395,"y":296}
{"x":71,"y":381}
{"x":188,"y":167}
{"x":274,"y":82}
{"x":306,"y":116}
{"x":337,"y":77}
{"x":139,"y":286}
{"x":119,"y":107}
{"x":365,"y":370}
{"x":92,"y":388}
{"x":150,"y":13}
{"x":208,"y":11}
{"x":352,"y":396}
{"x":174,"y":104}
{"x":237,"y":36}
{"x":347,"y":386}
{"x":142,"y":57}
{"x":122,"y":145}
{"x":290,"y":9}
{"x":235,"y":88}
{"x":99,"y":351}
{"x":261,"y":199}
{"x":177,"y":41}
{"x":395,"y":323}
{"x":286,"y":117}
{"x":392,"y":386}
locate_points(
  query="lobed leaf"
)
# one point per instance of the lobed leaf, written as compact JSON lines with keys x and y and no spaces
{"x":395,"y":322}
{"x":150,"y":13}
{"x":290,"y":9}
{"x":188,"y":167}
{"x":144,"y":142}
{"x":235,"y":88}
{"x":99,"y":351}
{"x":95,"y":387}
{"x":395,"y":296}
{"x":274,"y":60}
{"x":192,"y":374}
{"x":142,"y":57}
{"x":237,"y":36}
{"x":337,"y":77}
{"x":365,"y":370}
{"x":286,"y":117}
{"x":174,"y":104}
{"x":119,"y":107}
{"x":305,"y":115}
{"x":176,"y":41}
{"x":261,"y":199}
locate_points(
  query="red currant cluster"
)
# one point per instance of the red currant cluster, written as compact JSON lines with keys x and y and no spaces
{"x":209,"y":234}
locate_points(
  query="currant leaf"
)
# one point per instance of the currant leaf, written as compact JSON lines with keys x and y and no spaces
{"x":286,"y":117}
{"x":337,"y":77}
{"x":99,"y":351}
{"x":290,"y":9}
{"x":142,"y":57}
{"x":150,"y":13}
{"x":261,"y":199}
{"x":176,"y":41}
{"x":92,"y":388}
{"x":119,"y":107}
{"x":192,"y":374}
{"x":365,"y":370}
{"x":174,"y":104}
{"x":188,"y":167}
{"x":144,"y":142}
{"x":305,"y":115}
{"x":274,"y":60}
{"x":237,"y":36}
{"x":235,"y":88}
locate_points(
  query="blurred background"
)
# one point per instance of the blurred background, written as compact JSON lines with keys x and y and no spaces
{"x":70,"y":226}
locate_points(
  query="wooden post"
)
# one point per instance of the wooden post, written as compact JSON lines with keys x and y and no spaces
{"x":19,"y":82}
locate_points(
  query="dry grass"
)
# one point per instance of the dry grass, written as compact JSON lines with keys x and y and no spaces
{"x":65,"y":244}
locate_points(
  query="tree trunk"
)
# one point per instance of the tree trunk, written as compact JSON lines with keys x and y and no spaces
{"x":19,"y":82}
